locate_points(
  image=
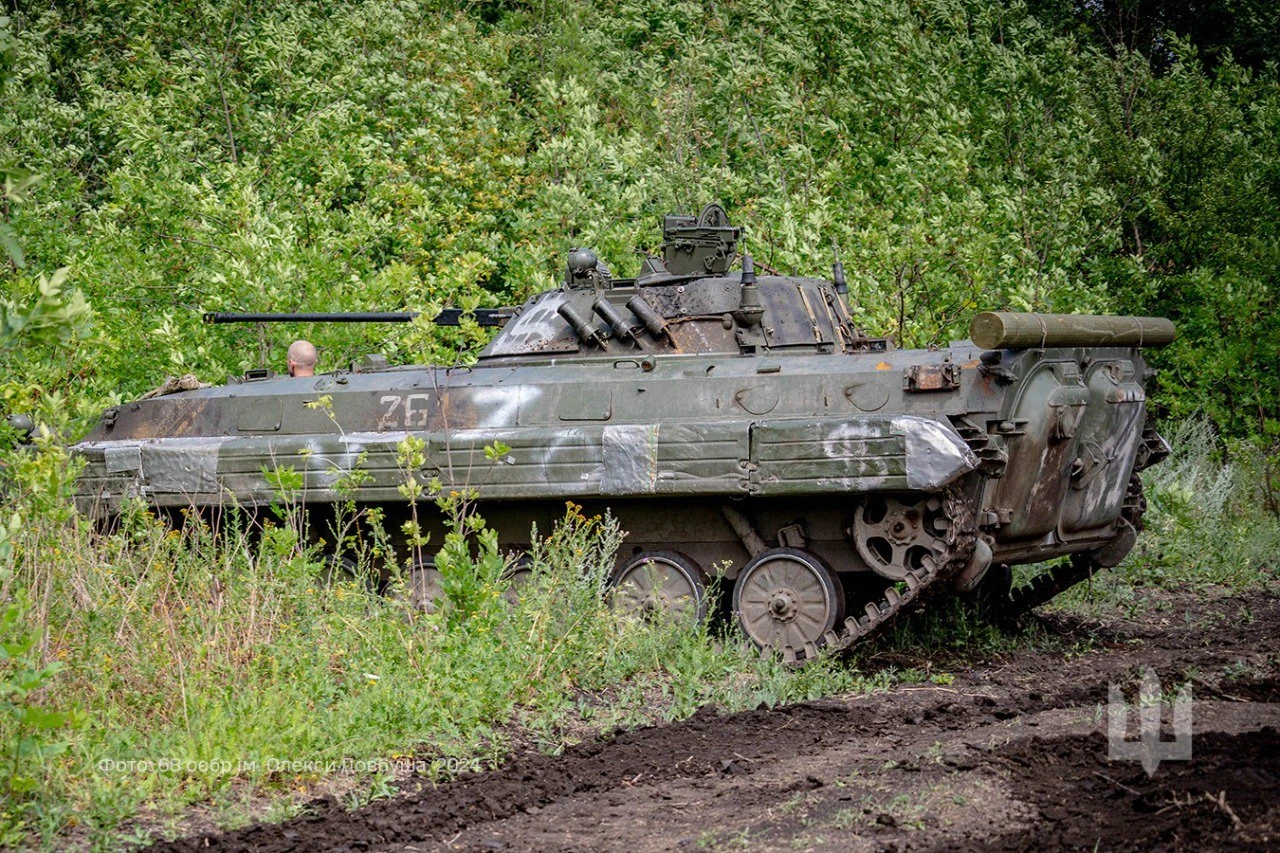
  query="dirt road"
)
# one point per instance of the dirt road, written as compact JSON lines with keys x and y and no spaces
{"x":1011,"y":755}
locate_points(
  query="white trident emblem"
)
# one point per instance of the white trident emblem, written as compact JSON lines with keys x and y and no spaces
{"x":1148,"y":748}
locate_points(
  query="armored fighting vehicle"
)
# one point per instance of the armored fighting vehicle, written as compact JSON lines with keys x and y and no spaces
{"x":737,"y":423}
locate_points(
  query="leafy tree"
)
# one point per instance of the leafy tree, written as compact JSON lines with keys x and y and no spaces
{"x":964,"y":155}
{"x":1222,"y":31}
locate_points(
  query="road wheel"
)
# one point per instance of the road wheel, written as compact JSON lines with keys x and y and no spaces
{"x":519,"y":573}
{"x":787,"y":598}
{"x":425,"y":586}
{"x":338,"y":569}
{"x":663,"y":584}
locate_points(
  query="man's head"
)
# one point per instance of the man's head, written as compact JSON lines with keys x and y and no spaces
{"x":302,"y":359}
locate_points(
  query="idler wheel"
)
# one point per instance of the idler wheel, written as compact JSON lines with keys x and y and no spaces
{"x":896,"y":534}
{"x":787,"y":598}
{"x":660,"y":584}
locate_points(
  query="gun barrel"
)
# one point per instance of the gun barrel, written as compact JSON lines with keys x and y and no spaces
{"x":1006,"y":330}
{"x":447,"y":317}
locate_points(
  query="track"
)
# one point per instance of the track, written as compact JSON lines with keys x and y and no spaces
{"x":1011,"y":755}
{"x":897,"y":600}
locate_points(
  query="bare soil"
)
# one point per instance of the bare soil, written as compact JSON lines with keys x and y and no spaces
{"x":1011,"y":755}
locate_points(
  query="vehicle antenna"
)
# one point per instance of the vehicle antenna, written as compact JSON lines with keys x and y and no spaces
{"x":837,"y":271}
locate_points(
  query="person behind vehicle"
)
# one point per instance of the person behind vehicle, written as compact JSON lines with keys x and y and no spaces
{"x":302,"y":359}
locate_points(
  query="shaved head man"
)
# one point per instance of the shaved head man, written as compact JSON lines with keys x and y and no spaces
{"x":302,"y":359}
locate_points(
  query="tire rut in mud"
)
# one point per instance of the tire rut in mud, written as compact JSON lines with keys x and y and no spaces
{"x":706,"y":744}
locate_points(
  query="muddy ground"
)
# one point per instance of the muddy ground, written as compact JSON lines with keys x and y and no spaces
{"x":1011,"y":755}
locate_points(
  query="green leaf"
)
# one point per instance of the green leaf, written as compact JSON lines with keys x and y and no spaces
{"x":38,"y":718}
{"x":12,"y":247}
{"x":15,"y":648}
{"x":23,"y":784}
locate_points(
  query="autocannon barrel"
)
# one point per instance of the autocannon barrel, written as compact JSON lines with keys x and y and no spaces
{"x":1007,"y":330}
{"x":447,"y":317}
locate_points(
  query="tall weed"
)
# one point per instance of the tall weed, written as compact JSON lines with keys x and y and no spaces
{"x":1205,"y":522}
{"x":206,"y":665}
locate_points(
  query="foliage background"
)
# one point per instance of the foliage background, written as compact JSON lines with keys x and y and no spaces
{"x":1109,"y":156}
{"x":161,"y":159}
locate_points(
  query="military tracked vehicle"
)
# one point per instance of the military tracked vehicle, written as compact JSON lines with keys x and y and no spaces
{"x":736,"y":422}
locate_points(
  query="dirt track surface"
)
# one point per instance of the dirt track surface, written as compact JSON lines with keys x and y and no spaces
{"x":1012,"y":755}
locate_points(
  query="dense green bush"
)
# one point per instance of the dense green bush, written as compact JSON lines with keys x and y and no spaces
{"x":964,"y":155}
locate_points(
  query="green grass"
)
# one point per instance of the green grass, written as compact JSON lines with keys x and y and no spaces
{"x":202,"y":666}
{"x":210,"y":670}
